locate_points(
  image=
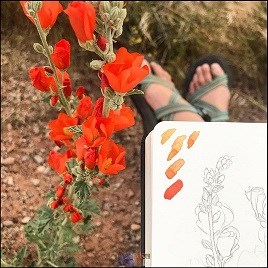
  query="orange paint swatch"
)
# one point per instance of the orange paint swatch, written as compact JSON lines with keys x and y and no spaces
{"x":192,"y":138}
{"x":167,"y":134}
{"x":176,"y":146}
{"x":174,"y":168}
{"x":172,"y":190}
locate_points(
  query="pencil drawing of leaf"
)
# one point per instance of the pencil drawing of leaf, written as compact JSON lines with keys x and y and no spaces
{"x":205,"y":194}
{"x":209,"y":260}
{"x":206,"y":244}
{"x":220,"y":179}
{"x":215,"y":199}
{"x":217,"y":188}
{"x":216,"y":216}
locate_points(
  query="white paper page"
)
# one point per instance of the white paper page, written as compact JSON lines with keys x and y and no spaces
{"x":176,"y":237}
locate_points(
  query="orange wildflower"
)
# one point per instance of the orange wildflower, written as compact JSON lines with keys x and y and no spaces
{"x":47,"y":14}
{"x":125,"y":72}
{"x":82,"y":18}
{"x":111,"y":158}
{"x":59,"y":127}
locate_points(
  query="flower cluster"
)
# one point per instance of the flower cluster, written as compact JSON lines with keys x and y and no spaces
{"x":84,"y":130}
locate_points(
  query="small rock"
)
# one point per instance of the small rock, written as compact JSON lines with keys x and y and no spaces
{"x":10,"y":181}
{"x":137,"y":203}
{"x":8,"y":223}
{"x":138,"y":238}
{"x":130,"y":194}
{"x":25,"y":219}
{"x":24,"y":158}
{"x":135,"y":227}
{"x":41,"y":169}
{"x":36,"y":129}
{"x":35,"y":182}
{"x":8,"y":161}
{"x":98,"y":223}
{"x":117,"y":185}
{"x":38,"y":159}
{"x":121,"y":239}
{"x":91,"y":255}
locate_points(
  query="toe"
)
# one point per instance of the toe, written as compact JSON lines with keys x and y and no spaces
{"x":200,"y":76}
{"x":206,"y":73}
{"x":191,"y":88}
{"x":216,"y":69}
{"x":196,"y":81}
{"x":159,"y":71}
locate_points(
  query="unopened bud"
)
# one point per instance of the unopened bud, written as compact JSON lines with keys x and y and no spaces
{"x":38,"y":48}
{"x":122,"y":14}
{"x":114,"y":13}
{"x":118,"y":32}
{"x":105,"y":6}
{"x":119,"y":4}
{"x":67,"y":88}
{"x":54,"y":99}
{"x":102,"y":42}
{"x":36,"y":5}
{"x":110,"y":57}
{"x":80,"y":91}
{"x":48,"y":71}
{"x":96,"y":64}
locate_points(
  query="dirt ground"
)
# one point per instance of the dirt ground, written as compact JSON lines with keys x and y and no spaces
{"x":26,"y":176}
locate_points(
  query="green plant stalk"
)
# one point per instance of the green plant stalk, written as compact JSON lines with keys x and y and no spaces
{"x":63,"y":100}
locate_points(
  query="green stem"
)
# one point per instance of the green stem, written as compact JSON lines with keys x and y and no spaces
{"x":105,"y":111}
{"x":42,"y":35}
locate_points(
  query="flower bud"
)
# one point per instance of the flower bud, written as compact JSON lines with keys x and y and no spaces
{"x":96,"y":64}
{"x":69,"y":208}
{"x":118,"y":32}
{"x":110,"y":57}
{"x":38,"y":48}
{"x":102,"y":42}
{"x":76,"y":216}
{"x":54,"y":204}
{"x":80,"y":91}
{"x":36,"y":5}
{"x":105,"y":6}
{"x":114,"y":13}
{"x":48,"y":71}
{"x":67,"y":178}
{"x":60,"y":190}
{"x":122,"y":14}
{"x":119,"y":4}
{"x":67,"y":88}
{"x":53,"y":100}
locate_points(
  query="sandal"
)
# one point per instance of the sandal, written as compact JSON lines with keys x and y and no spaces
{"x":206,"y":110}
{"x":152,"y":117}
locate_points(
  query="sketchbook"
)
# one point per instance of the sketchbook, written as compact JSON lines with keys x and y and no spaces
{"x":205,"y":195}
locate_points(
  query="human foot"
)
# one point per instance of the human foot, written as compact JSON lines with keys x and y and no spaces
{"x":220,"y":95}
{"x":158,"y":95}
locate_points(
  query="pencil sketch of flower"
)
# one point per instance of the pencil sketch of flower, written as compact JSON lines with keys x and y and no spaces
{"x":214,"y":217}
{"x":258,"y":257}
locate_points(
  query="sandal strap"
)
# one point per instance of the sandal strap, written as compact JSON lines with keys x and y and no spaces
{"x":150,"y":79}
{"x":217,"y":81}
{"x":212,"y":113}
{"x":167,"y":112}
